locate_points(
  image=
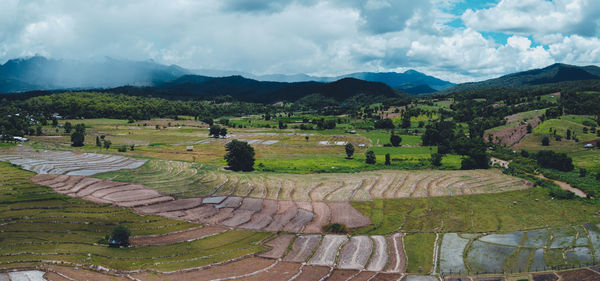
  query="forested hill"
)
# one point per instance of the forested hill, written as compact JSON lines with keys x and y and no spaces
{"x":244,"y":89}
{"x":556,"y":73}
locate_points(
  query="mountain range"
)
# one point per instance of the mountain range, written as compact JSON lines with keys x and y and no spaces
{"x":40,"y":73}
{"x":555,"y":73}
{"x":150,"y":78}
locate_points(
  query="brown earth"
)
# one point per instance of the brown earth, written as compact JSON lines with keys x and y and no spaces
{"x":311,"y":273}
{"x":176,"y":237}
{"x":278,"y":246}
{"x":579,"y":275}
{"x":229,"y":211}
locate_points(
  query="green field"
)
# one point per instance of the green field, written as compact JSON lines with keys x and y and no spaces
{"x":534,"y":208}
{"x":38,"y":224}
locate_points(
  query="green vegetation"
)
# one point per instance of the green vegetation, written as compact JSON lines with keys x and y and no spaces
{"x":337,"y":228}
{"x":498,"y":212}
{"x":239,"y":156}
{"x":37,"y":222}
{"x":419,"y":252}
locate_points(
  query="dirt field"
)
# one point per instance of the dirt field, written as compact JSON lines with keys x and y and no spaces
{"x":227,"y":211}
{"x":65,"y":162}
{"x":176,"y":237}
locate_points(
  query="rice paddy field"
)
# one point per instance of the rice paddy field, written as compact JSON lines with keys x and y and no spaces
{"x":194,"y":219}
{"x":39,"y":224}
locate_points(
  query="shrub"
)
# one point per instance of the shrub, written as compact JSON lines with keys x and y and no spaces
{"x":546,"y":141}
{"x":349,"y":150}
{"x":370,"y":157}
{"x":436,"y":159}
{"x":98,"y":143}
{"x":122,"y":148}
{"x":335,"y":228}
{"x":559,"y":193}
{"x":120,"y":235}
{"x":107,"y":144}
{"x":387,"y":159}
{"x":384,"y":124}
{"x":582,"y":172}
{"x":239,"y":156}
{"x":395,"y":140}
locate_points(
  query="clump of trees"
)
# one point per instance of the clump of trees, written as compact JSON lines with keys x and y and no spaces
{"x":217,"y":131}
{"x":395,"y":140}
{"x":552,"y":160}
{"x":448,"y":139}
{"x":239,"y":156}
{"x":78,"y":136}
{"x":384,"y":124}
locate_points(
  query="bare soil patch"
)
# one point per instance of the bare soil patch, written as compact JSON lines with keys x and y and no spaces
{"x":321,"y":218}
{"x":303,"y":248}
{"x":579,"y":275}
{"x":312,"y":273}
{"x":342,"y":274}
{"x":278,"y":246}
{"x":397,"y":259}
{"x":176,"y":237}
{"x":282,"y":271}
{"x":344,"y":213}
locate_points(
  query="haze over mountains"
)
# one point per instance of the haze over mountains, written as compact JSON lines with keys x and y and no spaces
{"x":40,"y":73}
{"x":151,"y":78}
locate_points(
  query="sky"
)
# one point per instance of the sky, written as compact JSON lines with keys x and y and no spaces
{"x":455,"y":40}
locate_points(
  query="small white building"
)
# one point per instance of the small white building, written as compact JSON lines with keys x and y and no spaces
{"x":189,"y":148}
{"x":588,"y":145}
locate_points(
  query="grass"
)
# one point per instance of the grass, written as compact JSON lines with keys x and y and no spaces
{"x":587,"y":184}
{"x":475,"y":213}
{"x":39,"y":224}
{"x":419,"y":252}
{"x":582,"y":157}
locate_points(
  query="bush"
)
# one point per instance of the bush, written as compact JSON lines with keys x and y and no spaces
{"x":335,"y":228}
{"x":395,"y":140}
{"x":582,"y":172}
{"x":349,"y":150}
{"x":546,"y":141}
{"x":436,"y":159}
{"x":239,"y":156}
{"x":387,"y":159}
{"x":122,"y":148}
{"x":560,"y":193}
{"x":120,"y":236}
{"x":370,"y":157}
{"x":384,"y":124}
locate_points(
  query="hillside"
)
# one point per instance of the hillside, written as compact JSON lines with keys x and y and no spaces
{"x":193,"y":86}
{"x":40,"y":73}
{"x":555,"y":73}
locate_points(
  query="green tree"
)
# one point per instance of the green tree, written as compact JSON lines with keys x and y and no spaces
{"x":370,"y":157}
{"x":568,"y":134}
{"x":107,"y":144}
{"x":214,"y":131}
{"x":223,"y":132}
{"x":54,"y":122}
{"x":529,"y":128}
{"x":395,"y":140}
{"x":120,"y":235}
{"x":68,"y":127}
{"x":38,"y":131}
{"x":78,"y":136}
{"x":405,"y":121}
{"x":545,"y":141}
{"x":582,"y":172}
{"x":239,"y":156}
{"x":436,"y":159}
{"x":98,"y":143}
{"x":387,"y":159}
{"x":384,"y":124}
{"x":349,"y":150}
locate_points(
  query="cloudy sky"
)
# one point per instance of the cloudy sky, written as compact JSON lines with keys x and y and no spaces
{"x":457,"y":40}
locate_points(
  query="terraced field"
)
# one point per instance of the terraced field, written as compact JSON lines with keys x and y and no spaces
{"x":522,"y":251}
{"x":229,"y":211}
{"x":65,"y":162}
{"x":41,"y":226}
{"x":182,"y":179}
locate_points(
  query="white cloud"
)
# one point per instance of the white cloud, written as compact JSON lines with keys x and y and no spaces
{"x":328,"y":37}
{"x":537,"y":17}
